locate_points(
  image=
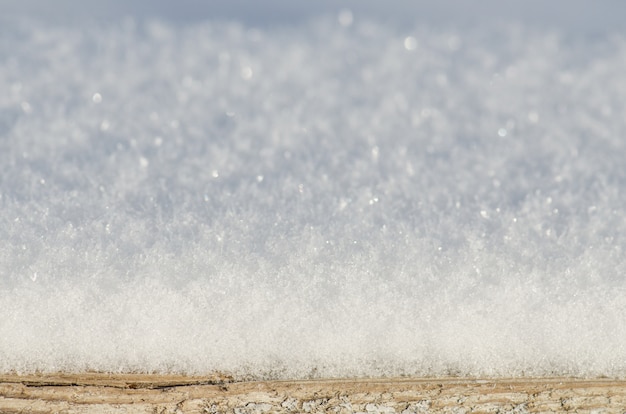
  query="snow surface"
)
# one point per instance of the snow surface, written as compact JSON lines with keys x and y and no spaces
{"x":341,"y":196}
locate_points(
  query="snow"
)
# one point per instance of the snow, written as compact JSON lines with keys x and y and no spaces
{"x":343,"y":195}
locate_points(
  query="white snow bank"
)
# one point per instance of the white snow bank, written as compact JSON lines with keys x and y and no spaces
{"x":340,"y":198}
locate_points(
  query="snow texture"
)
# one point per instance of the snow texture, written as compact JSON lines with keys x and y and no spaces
{"x":340,"y":197}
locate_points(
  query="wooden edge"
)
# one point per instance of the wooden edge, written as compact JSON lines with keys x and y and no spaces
{"x":132,"y":381}
{"x":137,"y":380}
{"x":148,"y":393}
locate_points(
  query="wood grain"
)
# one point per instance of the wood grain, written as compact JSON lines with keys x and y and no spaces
{"x":135,"y":393}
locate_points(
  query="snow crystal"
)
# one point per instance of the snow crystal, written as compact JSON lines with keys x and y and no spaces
{"x":338,"y":198}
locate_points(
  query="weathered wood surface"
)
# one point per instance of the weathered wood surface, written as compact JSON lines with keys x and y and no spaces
{"x":108,"y":393}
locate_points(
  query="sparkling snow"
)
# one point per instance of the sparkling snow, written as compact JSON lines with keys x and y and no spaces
{"x":342,"y":196}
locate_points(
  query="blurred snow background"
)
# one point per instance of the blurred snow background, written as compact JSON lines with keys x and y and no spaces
{"x":313,"y":189}
{"x":577,"y":15}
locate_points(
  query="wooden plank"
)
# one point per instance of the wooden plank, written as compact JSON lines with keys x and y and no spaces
{"x":137,"y":393}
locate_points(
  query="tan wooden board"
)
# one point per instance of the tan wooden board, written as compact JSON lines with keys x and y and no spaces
{"x":137,"y":393}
